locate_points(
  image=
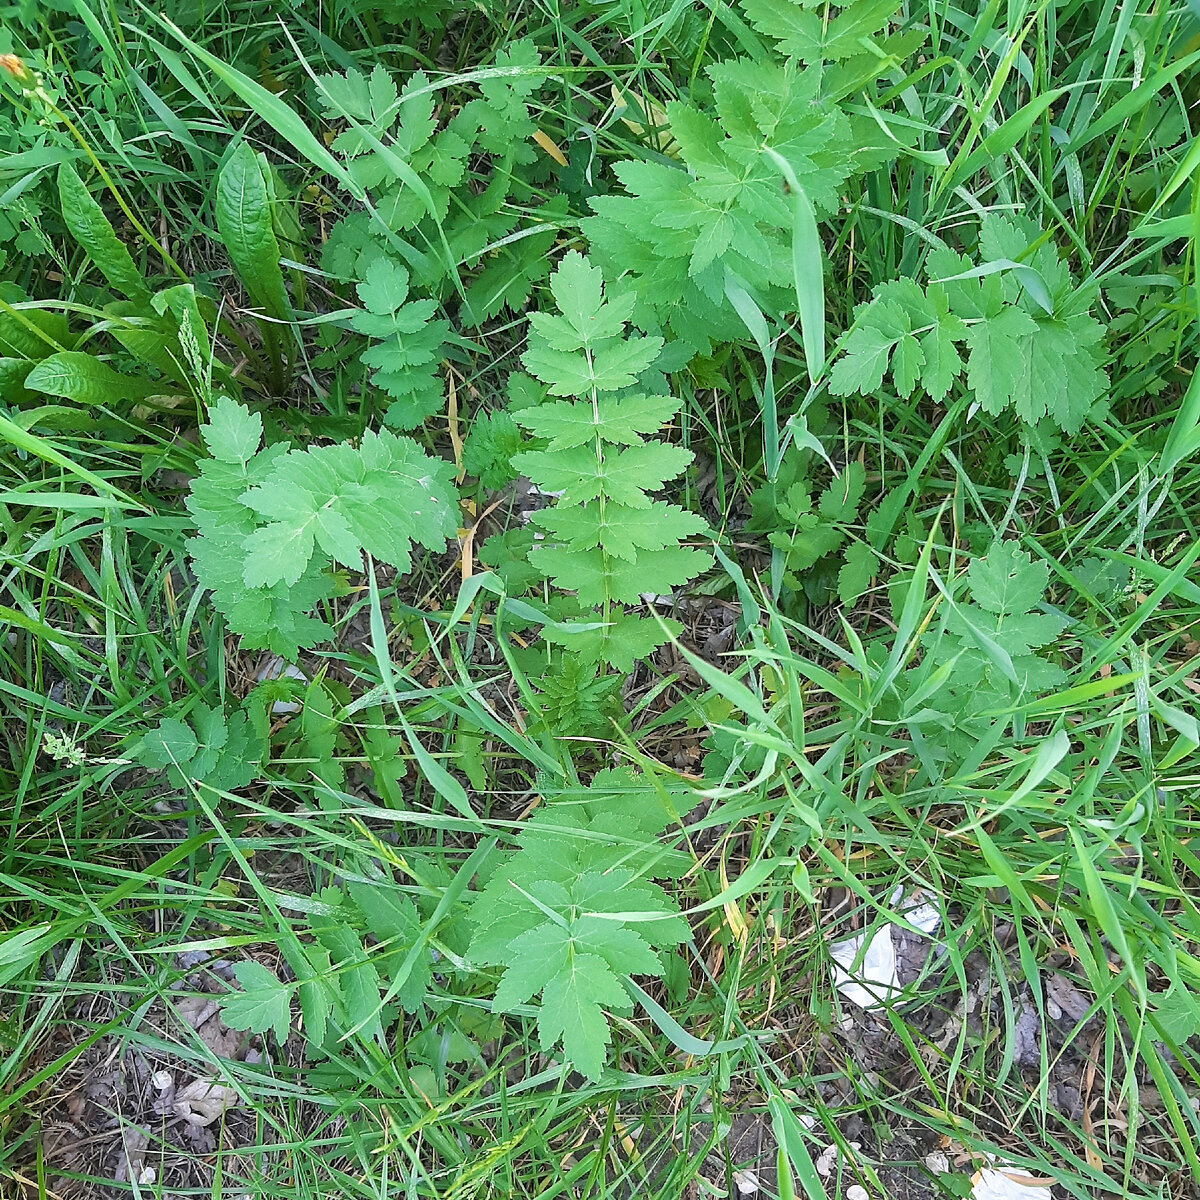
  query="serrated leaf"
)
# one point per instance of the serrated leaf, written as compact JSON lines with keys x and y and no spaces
{"x":392,"y":918}
{"x":319,"y":995}
{"x":1007,"y":580}
{"x":623,"y":421}
{"x":623,"y":476}
{"x":534,"y":958}
{"x":488,"y":449}
{"x":572,"y":1011}
{"x":908,"y":359}
{"x":319,"y":729}
{"x":263,"y":1004}
{"x":542,"y":912}
{"x":233,"y":433}
{"x":806,"y":31}
{"x":270,"y":525}
{"x":358,"y":981}
{"x":172,"y":744}
{"x":385,"y":287}
{"x":941,"y":361}
{"x":840,"y":500}
{"x":619,"y":530}
{"x":998,"y":356}
{"x":596,"y":577}
{"x":212,"y":734}
{"x":855,"y":575}
{"x":382,"y":498}
{"x":865,"y":356}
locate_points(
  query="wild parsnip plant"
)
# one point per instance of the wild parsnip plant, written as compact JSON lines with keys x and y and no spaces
{"x":522,"y":527}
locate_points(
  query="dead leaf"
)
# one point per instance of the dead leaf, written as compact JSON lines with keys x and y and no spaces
{"x":195,"y":1010}
{"x":1026,"y":1051}
{"x":202,"y":1013}
{"x":203,"y":1101}
{"x":550,"y":146}
{"x":1063,"y":995}
{"x":133,"y":1161}
{"x":662,"y":138}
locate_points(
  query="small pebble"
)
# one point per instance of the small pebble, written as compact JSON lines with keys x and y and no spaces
{"x":162,"y":1080}
{"x":857,"y":1192}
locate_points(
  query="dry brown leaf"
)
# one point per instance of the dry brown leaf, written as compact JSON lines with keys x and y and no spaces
{"x":1064,"y":995}
{"x":133,"y":1162}
{"x":202,"y":1013}
{"x":203,"y":1101}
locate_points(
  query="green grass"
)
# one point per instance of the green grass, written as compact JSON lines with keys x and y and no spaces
{"x":1051,"y":823}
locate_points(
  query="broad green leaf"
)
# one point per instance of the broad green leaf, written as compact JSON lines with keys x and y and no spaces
{"x":392,"y":918}
{"x":855,"y":575}
{"x":572,"y":1011}
{"x":244,"y":222}
{"x":87,"y":224}
{"x":233,"y":433}
{"x":571,"y":914}
{"x":263,"y":1004}
{"x":358,"y":981}
{"x":75,"y":375}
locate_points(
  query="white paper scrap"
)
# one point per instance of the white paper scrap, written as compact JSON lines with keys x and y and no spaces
{"x":1009,"y":1183}
{"x":875,"y":981}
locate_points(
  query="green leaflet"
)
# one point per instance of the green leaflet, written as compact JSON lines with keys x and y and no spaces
{"x":30,"y":333}
{"x":76,"y":375}
{"x":808,"y":534}
{"x":263,"y":1005}
{"x":992,"y":627}
{"x":409,"y":250}
{"x":342,"y":974}
{"x":806,"y":32}
{"x":676,"y":233}
{"x":88,"y":225}
{"x":225,"y":753}
{"x":247,"y":232}
{"x":409,"y":343}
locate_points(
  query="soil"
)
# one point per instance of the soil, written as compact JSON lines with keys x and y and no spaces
{"x":150,"y":1109}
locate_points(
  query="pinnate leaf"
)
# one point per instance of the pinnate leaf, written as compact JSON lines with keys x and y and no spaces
{"x":269,"y":522}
